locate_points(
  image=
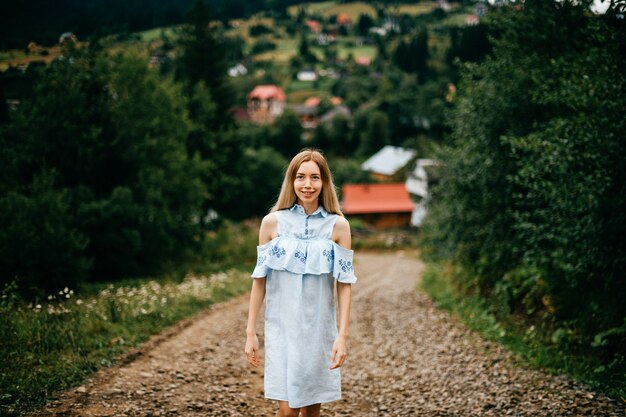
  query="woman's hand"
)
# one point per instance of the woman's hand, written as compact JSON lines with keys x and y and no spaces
{"x":339,"y":354}
{"x":252,"y":350}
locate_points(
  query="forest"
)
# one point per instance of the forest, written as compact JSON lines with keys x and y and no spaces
{"x":123,"y":157}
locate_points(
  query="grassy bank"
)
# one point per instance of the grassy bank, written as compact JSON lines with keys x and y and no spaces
{"x":532,"y":342}
{"x":55,"y":345}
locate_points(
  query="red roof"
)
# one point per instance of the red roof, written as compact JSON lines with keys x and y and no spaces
{"x":312,"y":101}
{"x":314,"y":25}
{"x":266,"y":92}
{"x":376,"y":198}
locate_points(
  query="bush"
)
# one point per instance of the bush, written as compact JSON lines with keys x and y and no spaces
{"x":534,"y":200}
{"x":96,"y":178}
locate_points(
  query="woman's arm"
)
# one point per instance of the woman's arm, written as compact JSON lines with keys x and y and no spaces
{"x":266,"y":232}
{"x":341,"y":235}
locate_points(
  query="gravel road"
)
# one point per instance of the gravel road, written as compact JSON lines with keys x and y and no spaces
{"x":405,"y":358}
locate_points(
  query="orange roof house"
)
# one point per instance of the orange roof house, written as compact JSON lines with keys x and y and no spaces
{"x":379,"y":205}
{"x":266,"y":103}
{"x":343,"y":19}
{"x":314,"y":25}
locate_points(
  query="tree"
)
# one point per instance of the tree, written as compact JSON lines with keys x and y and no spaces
{"x":376,"y":134}
{"x":365,"y":23}
{"x":534,"y":201}
{"x":412,"y":56}
{"x":97,"y":156}
{"x":286,"y":134}
{"x":203,"y":59}
{"x":305,"y":53}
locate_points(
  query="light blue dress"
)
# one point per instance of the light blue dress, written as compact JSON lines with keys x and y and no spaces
{"x":301,"y":265}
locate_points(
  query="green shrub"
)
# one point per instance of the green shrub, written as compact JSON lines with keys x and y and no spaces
{"x":534,"y":198}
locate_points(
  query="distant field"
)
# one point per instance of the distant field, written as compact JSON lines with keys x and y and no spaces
{"x":16,"y":57}
{"x":354,"y":10}
{"x":286,"y":48}
{"x":243,"y":29}
{"x":329,"y":8}
{"x":415,"y":9}
{"x":155,"y":34}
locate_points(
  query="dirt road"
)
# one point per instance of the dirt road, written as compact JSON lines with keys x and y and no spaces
{"x":405,"y":358}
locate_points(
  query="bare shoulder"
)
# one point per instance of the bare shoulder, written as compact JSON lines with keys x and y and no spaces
{"x":341,"y":232}
{"x":269,"y":228}
{"x":269,"y":220}
{"x":342,"y":224}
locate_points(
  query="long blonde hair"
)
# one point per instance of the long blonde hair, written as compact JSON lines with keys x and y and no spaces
{"x":328,"y":198}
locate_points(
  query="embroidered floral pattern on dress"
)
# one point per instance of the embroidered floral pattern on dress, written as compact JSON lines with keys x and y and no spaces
{"x":300,"y":255}
{"x":328,"y":254}
{"x":346,"y":266}
{"x":277,"y":251}
{"x":260,"y":260}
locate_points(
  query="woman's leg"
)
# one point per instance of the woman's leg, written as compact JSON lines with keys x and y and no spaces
{"x":285,"y":411}
{"x":311,"y":410}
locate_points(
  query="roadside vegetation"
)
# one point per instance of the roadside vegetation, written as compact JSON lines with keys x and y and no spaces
{"x":525,"y":233}
{"x":126,"y":171}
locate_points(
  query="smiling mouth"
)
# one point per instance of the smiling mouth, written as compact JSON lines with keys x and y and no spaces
{"x":308,"y":193}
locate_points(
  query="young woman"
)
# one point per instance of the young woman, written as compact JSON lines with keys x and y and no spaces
{"x":304,"y":247}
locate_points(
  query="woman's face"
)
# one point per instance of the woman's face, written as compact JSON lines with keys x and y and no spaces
{"x":308,"y":183}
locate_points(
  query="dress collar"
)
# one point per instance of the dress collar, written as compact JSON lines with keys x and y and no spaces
{"x":320,"y":210}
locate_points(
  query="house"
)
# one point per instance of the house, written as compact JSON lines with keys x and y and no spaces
{"x":312,"y":101}
{"x":386,"y":164}
{"x":67,"y":37}
{"x":471,"y":20}
{"x":363,"y":60}
{"x":338,"y":110}
{"x":426,"y":173}
{"x":343,"y":19}
{"x":379,"y":205}
{"x":237,"y":71}
{"x":480,"y":9}
{"x":240,"y":114}
{"x":314,"y":26}
{"x":307,"y":115}
{"x":307,"y":75}
{"x":266,"y":103}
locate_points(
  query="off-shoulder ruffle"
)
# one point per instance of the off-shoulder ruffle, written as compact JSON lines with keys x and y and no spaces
{"x":315,"y":256}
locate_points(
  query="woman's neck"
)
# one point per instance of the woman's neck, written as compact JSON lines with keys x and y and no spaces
{"x":309,"y":208}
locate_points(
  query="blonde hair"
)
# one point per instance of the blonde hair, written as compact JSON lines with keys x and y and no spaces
{"x":328,"y":198}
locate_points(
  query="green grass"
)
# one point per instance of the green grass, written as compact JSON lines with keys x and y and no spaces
{"x":155,"y":34}
{"x":417,"y":9}
{"x":528,"y":343}
{"x":55,"y":345}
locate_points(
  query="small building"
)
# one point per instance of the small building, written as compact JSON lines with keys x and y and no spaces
{"x":266,"y":103}
{"x":386,"y":164}
{"x":67,"y":37}
{"x":471,"y":20}
{"x":343,"y":19}
{"x":306,"y":75}
{"x":237,"y":70}
{"x":337,"y":111}
{"x":314,"y":26}
{"x":363,"y":60}
{"x":383,"y":206}
{"x":427,"y":172}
